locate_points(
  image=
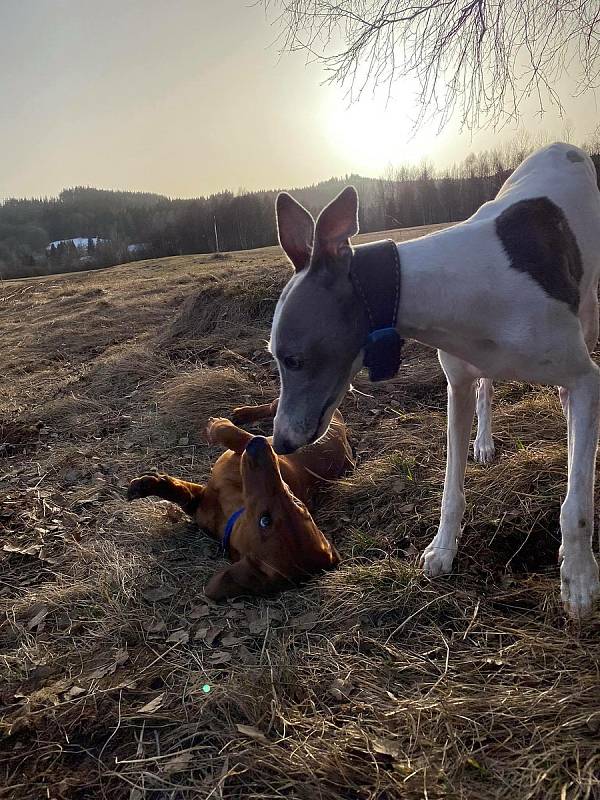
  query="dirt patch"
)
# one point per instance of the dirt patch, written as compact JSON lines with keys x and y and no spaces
{"x":18,"y":436}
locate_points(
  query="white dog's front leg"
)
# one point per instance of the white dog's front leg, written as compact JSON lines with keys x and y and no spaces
{"x":439,"y":554}
{"x":579,"y":570}
{"x":483,"y":446}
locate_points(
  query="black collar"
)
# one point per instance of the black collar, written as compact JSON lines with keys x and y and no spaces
{"x":375,"y":274}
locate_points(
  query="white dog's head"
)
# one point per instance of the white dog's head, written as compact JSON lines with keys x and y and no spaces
{"x":319,"y":328}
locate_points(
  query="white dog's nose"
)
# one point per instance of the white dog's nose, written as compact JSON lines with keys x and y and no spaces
{"x":282,"y":445}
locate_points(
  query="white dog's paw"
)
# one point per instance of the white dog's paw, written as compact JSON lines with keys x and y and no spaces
{"x":579,"y":585}
{"x":483,"y":449}
{"x":436,"y":560}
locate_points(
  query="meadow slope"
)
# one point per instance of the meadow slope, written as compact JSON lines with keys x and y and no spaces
{"x":118,"y":678}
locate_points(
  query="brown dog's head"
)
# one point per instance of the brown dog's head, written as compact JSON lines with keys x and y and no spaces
{"x":276,"y":539}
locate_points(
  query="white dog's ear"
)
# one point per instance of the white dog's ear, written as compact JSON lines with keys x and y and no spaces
{"x":296,"y":230}
{"x":337,"y":223}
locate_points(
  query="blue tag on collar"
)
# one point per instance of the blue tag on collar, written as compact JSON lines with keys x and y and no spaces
{"x":383,"y":354}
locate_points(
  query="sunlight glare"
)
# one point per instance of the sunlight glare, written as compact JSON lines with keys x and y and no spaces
{"x":372,"y":134}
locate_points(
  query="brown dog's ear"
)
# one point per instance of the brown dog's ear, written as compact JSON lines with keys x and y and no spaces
{"x":296,"y":230}
{"x":243,"y":577}
{"x":337,"y":223}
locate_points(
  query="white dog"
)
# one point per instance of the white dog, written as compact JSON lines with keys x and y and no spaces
{"x":509,"y":293}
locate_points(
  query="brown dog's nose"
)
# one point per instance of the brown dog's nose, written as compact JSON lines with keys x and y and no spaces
{"x":258,"y":451}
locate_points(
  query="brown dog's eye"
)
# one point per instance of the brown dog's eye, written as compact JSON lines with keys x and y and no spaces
{"x":265,"y":521}
{"x":293,"y":363}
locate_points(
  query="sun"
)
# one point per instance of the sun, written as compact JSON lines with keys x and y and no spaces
{"x":373,"y":133}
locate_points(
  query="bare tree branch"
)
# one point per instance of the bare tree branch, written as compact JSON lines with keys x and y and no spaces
{"x":480,"y":59}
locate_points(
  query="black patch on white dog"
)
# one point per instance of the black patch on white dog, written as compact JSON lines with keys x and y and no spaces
{"x":538,"y":240}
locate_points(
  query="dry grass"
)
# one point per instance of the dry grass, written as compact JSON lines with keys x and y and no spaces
{"x":370,"y":682}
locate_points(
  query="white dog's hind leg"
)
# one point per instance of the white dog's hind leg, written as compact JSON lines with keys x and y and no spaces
{"x":563,"y":396}
{"x":438,"y":556}
{"x":579,"y":570}
{"x":483,"y":446}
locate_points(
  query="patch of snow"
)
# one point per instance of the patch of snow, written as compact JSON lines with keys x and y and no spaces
{"x":138,"y":247}
{"x":80,"y":242}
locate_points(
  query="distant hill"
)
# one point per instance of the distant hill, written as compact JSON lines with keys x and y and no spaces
{"x":125,"y":226}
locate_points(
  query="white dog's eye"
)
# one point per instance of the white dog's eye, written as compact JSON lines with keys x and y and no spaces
{"x":265,"y":521}
{"x":293,"y":363}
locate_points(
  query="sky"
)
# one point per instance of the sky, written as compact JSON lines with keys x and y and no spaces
{"x":190,"y":97}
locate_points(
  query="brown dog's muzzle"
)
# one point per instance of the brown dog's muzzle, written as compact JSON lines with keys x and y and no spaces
{"x":258,"y":452}
{"x":260,"y":471}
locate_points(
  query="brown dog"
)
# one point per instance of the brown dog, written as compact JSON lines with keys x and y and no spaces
{"x":254,"y":504}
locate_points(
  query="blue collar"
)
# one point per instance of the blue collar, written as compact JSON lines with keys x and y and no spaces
{"x":229,"y":530}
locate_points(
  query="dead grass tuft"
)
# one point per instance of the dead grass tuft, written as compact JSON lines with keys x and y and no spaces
{"x":120,"y":679}
{"x":187,"y":402}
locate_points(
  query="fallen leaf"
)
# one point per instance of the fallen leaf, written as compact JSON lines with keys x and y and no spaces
{"x":109,"y":669}
{"x":258,"y":625}
{"x":157,"y":593}
{"x":305,"y":622}
{"x":219,"y":657}
{"x":155,"y":625}
{"x":30,"y":550}
{"x":102,"y":671}
{"x":244,"y":655}
{"x":406,"y":508}
{"x":231,"y":640}
{"x":38,"y":618}
{"x":340,"y":689}
{"x":153,"y":705}
{"x":86,"y":501}
{"x":213,"y":634}
{"x":74,"y":691}
{"x":198,"y":612}
{"x":252,"y":733}
{"x":179,"y":637}
{"x":385,"y":747}
{"x":126,"y":684}
{"x":179,"y":763}
{"x":121,"y":657}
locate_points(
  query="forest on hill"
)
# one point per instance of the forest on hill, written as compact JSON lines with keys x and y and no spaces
{"x":86,"y":228}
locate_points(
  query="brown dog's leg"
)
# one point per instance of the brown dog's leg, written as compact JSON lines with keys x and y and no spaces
{"x":184,"y":494}
{"x":247,"y":415}
{"x":224,"y":432}
{"x":243,"y":577}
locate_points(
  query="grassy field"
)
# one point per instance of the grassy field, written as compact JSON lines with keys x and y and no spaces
{"x":119,"y":679}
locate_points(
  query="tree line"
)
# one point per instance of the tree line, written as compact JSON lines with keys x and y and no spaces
{"x":112,"y":221}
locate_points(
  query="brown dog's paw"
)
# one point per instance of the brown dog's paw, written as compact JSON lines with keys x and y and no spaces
{"x":240,"y":415}
{"x":212,"y":428}
{"x":144,"y":486}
